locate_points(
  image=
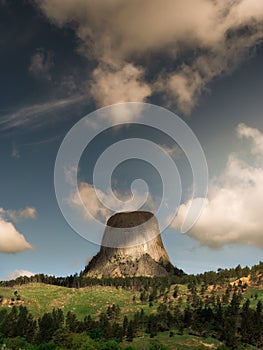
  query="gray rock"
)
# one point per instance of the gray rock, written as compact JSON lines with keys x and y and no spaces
{"x":131,"y":246}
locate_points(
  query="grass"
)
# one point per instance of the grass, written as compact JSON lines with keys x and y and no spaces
{"x":40,"y":298}
{"x":176,"y":342}
{"x":252,"y":292}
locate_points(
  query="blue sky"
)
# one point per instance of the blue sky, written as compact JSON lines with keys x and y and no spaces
{"x":62,"y":60}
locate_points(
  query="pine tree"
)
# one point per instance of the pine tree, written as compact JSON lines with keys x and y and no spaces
{"x":247,"y":323}
{"x":130,"y":331}
{"x":46,"y":328}
{"x":175,"y":292}
{"x":125,"y":325}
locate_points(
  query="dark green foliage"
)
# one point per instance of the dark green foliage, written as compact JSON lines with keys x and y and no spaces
{"x":63,"y":338}
{"x":176,"y":291}
{"x":18,"y":323}
{"x":110,"y":345}
{"x":96,"y":334}
{"x":233,"y":324}
{"x":83,"y":342}
{"x":130,"y":331}
{"x":125,"y":325}
{"x":17,"y":343}
{"x":153,"y":295}
{"x":113,"y":311}
{"x":224,"y":315}
{"x":46,"y":346}
{"x":71,"y":322}
{"x":158,"y":347}
{"x":48,"y":324}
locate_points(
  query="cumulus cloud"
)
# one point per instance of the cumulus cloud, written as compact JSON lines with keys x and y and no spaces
{"x":88,"y":199}
{"x":11,"y":241}
{"x":26,"y":213}
{"x":100,"y":205}
{"x":118,"y":84}
{"x":93,"y":203}
{"x":18,"y":273}
{"x":113,"y":83}
{"x":254,"y":136}
{"x":174,"y":151}
{"x":202,"y":38}
{"x":233,"y":210}
{"x":40,"y":64}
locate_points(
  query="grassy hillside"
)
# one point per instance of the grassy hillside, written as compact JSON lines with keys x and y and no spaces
{"x":40,"y":298}
{"x":177,"y":342}
{"x":93,"y":300}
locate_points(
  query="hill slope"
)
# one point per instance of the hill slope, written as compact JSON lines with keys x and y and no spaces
{"x":40,"y":298}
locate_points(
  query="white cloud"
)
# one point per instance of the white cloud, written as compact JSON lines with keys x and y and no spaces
{"x":215,"y":36}
{"x":40,"y":64}
{"x":233,"y":210}
{"x":254,"y":136}
{"x":186,"y":86}
{"x":18,"y":273}
{"x":11,"y":241}
{"x":26,"y":213}
{"x":118,"y":84}
{"x":113,"y":83}
{"x":174,"y":151}
{"x":88,"y":202}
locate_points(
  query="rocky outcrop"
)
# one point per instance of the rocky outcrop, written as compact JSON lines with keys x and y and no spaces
{"x":131,"y":246}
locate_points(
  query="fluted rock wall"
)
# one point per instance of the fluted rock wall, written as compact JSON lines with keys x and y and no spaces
{"x":131,"y":246}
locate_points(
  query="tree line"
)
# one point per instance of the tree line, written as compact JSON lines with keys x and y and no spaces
{"x":221,"y":276}
{"x":233,"y":322}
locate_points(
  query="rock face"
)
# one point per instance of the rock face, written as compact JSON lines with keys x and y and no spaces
{"x":131,"y":246}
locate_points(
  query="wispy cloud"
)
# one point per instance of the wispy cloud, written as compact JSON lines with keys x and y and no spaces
{"x":40,"y":64}
{"x":75,"y":262}
{"x":42,"y":142}
{"x":15,"y":152}
{"x":38,"y":114}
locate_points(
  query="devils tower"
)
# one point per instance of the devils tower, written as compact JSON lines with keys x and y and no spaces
{"x":131,"y":246}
